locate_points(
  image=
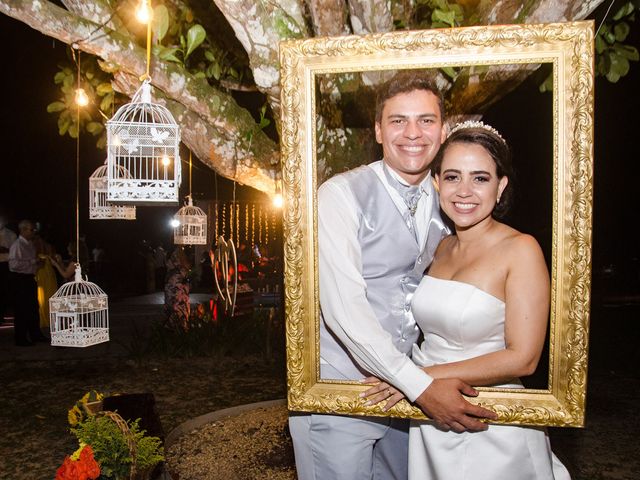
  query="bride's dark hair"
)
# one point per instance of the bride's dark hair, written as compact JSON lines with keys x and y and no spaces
{"x":499,"y":151}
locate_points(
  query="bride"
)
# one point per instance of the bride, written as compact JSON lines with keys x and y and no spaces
{"x":483,"y":309}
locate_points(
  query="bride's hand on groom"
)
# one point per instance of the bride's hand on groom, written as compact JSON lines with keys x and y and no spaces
{"x":381,"y":391}
{"x":444,"y":403}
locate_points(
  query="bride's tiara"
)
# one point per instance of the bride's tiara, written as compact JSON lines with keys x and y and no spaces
{"x":476,"y":124}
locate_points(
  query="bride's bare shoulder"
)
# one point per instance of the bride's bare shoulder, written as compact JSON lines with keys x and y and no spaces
{"x":520,"y":245}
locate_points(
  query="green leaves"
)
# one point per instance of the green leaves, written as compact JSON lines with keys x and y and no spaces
{"x":547,"y":85}
{"x":94,"y":128}
{"x":56,"y":106}
{"x":446,"y":15}
{"x":160,"y":21}
{"x":264,"y":122}
{"x":450,"y":72}
{"x":613,"y":56}
{"x":102,"y":98}
{"x":195,"y":36}
{"x":168,"y":54}
{"x":179,"y":53}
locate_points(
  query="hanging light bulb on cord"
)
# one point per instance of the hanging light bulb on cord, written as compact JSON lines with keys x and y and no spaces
{"x":82,"y":100}
{"x":277,"y":199}
{"x":144,"y":12}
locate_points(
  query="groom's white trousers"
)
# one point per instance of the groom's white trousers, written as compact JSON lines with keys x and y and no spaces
{"x":335,"y":447}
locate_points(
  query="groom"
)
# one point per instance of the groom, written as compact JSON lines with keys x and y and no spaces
{"x":378,"y":228}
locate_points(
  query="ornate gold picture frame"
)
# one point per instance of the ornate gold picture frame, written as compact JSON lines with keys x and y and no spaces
{"x":569,"y":48}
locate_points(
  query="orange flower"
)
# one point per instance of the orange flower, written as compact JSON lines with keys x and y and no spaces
{"x":85,"y":468}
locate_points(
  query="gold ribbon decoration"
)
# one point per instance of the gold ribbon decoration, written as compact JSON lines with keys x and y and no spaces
{"x":225,"y":252}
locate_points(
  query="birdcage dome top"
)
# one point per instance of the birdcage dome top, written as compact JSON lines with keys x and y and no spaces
{"x":141,"y":109}
{"x":99,"y":172}
{"x":102,"y":172}
{"x":190,"y":210}
{"x":79,"y":287}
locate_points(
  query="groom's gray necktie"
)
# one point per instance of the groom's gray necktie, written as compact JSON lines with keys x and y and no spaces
{"x":410,"y":194}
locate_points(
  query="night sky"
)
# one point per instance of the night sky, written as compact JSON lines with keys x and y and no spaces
{"x":38,"y":173}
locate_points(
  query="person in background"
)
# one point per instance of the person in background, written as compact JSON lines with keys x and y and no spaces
{"x":160,"y":265}
{"x":23,"y":264}
{"x":45,"y":277}
{"x":7,"y":237}
{"x":66,"y":269}
{"x":176,"y":290}
{"x":98,"y":256}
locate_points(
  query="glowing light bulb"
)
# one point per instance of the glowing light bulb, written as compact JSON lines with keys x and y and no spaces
{"x":144,"y":12}
{"x":175,"y":223}
{"x":165,"y":160}
{"x":116,"y":141}
{"x":278,"y":201}
{"x":81,"y":97}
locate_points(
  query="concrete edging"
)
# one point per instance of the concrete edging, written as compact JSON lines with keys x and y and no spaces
{"x":197,"y":422}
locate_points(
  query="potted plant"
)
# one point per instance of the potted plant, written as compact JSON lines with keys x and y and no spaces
{"x":120,"y":449}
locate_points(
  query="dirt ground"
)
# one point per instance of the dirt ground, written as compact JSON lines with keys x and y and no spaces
{"x":35,"y":395}
{"x":35,"y":398}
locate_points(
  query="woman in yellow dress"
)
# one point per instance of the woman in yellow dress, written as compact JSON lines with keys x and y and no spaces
{"x":45,"y":278}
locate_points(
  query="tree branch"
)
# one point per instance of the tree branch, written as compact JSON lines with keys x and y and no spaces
{"x":260,"y":26}
{"x":239,"y":160}
{"x":215,"y":107}
{"x":329,"y":17}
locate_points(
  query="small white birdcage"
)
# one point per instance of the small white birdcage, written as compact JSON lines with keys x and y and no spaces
{"x":79,"y":314}
{"x":143,"y":139}
{"x":190,"y":225}
{"x":99,"y":207}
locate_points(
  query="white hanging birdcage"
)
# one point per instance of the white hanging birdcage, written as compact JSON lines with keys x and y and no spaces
{"x":99,"y":207}
{"x":78,"y":314}
{"x":143,"y":139}
{"x":190,"y":225}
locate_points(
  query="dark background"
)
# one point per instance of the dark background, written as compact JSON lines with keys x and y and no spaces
{"x":38,"y":171}
{"x":38,"y":174}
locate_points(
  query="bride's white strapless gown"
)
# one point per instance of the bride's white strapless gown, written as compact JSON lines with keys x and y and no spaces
{"x":460,"y":321}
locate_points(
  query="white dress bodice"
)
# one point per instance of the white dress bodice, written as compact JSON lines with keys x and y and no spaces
{"x":459,"y":321}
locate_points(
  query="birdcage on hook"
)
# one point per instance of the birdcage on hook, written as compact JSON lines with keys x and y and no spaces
{"x":78,"y":314}
{"x":99,"y":207}
{"x":190,"y":225}
{"x":143,"y":139}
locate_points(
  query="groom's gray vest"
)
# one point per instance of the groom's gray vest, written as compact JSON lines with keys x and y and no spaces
{"x":392,"y":266}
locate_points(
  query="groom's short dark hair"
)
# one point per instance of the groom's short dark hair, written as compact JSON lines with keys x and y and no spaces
{"x":406,"y":81}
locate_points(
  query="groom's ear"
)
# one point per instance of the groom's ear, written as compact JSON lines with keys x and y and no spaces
{"x":444,"y":133}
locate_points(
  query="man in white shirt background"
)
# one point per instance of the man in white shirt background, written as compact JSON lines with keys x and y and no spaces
{"x":378,"y":228}
{"x":7,"y":237}
{"x":23,"y":264}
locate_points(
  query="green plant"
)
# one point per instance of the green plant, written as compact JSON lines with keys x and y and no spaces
{"x":249,"y":334}
{"x":96,"y":81}
{"x":613,"y":55}
{"x":111,"y":449}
